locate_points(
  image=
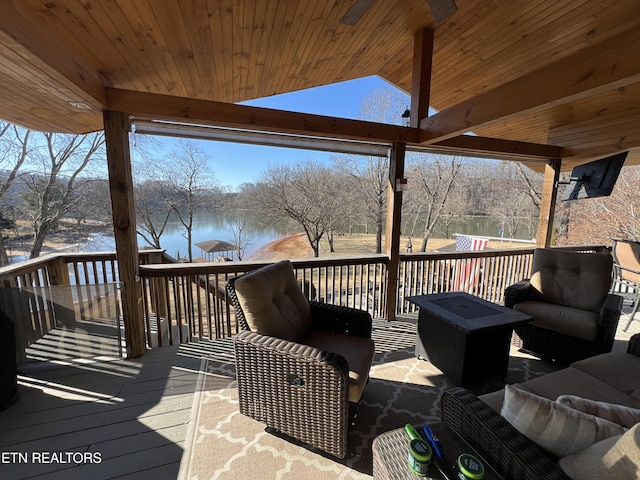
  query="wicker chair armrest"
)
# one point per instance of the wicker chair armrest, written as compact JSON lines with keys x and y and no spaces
{"x":232,"y":298}
{"x":516,"y":293}
{"x":608,"y":323}
{"x":298,"y":390}
{"x":512,"y":454}
{"x":610,"y":314}
{"x":338,"y":319}
{"x":634,"y":345}
{"x":253,"y":343}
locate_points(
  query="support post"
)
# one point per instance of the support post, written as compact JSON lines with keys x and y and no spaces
{"x":393,"y":223}
{"x":420,"y":91}
{"x":116,"y":130}
{"x":548,"y":204}
{"x":421,"y":76}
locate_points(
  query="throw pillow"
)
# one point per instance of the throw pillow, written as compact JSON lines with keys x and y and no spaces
{"x":620,"y":414}
{"x":553,"y":426}
{"x":615,"y":457}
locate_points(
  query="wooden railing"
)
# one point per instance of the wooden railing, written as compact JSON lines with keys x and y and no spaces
{"x":184,"y":302}
{"x":187,"y":302}
{"x":60,"y":290}
{"x":485,"y":274}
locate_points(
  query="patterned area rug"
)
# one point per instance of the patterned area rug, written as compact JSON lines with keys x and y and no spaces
{"x":222,"y":444}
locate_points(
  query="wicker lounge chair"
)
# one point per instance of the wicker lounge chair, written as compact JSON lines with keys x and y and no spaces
{"x":575,"y":317}
{"x":301,"y":366}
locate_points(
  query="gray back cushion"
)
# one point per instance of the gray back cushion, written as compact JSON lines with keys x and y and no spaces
{"x":273,"y":303}
{"x":573,"y":279}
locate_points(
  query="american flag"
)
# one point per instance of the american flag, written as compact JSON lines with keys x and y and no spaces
{"x":468,"y":269}
{"x":465,"y":243}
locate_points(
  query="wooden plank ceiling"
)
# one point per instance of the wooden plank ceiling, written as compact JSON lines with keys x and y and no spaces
{"x":530,"y":74}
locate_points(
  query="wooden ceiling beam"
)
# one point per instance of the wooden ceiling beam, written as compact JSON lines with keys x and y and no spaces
{"x":500,"y":149}
{"x":610,"y":64}
{"x":148,"y":106}
{"x":61,"y":65}
{"x":421,"y":76}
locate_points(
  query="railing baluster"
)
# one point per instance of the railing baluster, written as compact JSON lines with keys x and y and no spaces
{"x":207,"y":306}
{"x":187,"y":294}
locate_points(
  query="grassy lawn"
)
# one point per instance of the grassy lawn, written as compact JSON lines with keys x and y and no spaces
{"x":358,"y":244}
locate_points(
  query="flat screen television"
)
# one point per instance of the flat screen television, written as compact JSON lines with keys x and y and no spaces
{"x":594,"y":179}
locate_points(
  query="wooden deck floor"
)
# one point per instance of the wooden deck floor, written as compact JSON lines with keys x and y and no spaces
{"x":131,"y":415}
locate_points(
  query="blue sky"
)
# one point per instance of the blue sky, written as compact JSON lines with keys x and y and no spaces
{"x":234,"y":163}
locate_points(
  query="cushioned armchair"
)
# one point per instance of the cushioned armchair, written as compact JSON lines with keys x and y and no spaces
{"x":575,"y":317}
{"x":301,"y":366}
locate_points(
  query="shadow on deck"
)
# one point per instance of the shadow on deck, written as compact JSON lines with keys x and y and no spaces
{"x":84,"y":412}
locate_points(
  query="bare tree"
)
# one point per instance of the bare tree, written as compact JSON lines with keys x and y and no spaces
{"x":431,"y":179}
{"x":153,"y":210}
{"x":518,"y":201}
{"x":623,"y":209}
{"x":154,"y":198}
{"x":50,"y":192}
{"x":238,"y":215}
{"x":370,"y":174}
{"x":370,"y":178}
{"x":532,"y":183}
{"x":384,"y":105}
{"x":14,"y":150}
{"x":340,"y":188}
{"x":598,"y":220}
{"x":153,"y":190}
{"x":192,"y":185}
{"x":303,"y":192}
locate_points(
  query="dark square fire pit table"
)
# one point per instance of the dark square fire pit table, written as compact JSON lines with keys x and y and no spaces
{"x":466,"y":337}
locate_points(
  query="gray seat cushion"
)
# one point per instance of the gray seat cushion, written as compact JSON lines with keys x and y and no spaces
{"x":558,"y":318}
{"x":572,"y":381}
{"x":357,"y":351}
{"x":620,"y":370}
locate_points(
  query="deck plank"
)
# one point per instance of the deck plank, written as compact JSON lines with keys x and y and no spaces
{"x":135,"y":413}
{"x":75,"y":410}
{"x":133,"y":464}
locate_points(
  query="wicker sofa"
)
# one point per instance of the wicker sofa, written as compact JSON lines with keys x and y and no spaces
{"x":612,"y":377}
{"x":301,"y":366}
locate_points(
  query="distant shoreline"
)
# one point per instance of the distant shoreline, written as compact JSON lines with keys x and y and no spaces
{"x":292,"y":246}
{"x":59,"y":241}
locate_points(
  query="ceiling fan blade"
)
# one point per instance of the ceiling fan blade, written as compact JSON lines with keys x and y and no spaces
{"x":442,"y":9}
{"x":357,"y":10}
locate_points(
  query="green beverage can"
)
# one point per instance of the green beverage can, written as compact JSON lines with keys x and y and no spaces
{"x":419,"y":457}
{"x":470,"y":467}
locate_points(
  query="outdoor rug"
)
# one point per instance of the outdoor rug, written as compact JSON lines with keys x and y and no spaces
{"x":223,"y":444}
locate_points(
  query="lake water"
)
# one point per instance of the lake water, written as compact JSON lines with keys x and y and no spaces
{"x":485,"y":227}
{"x":212,"y":225}
{"x":207,"y":226}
